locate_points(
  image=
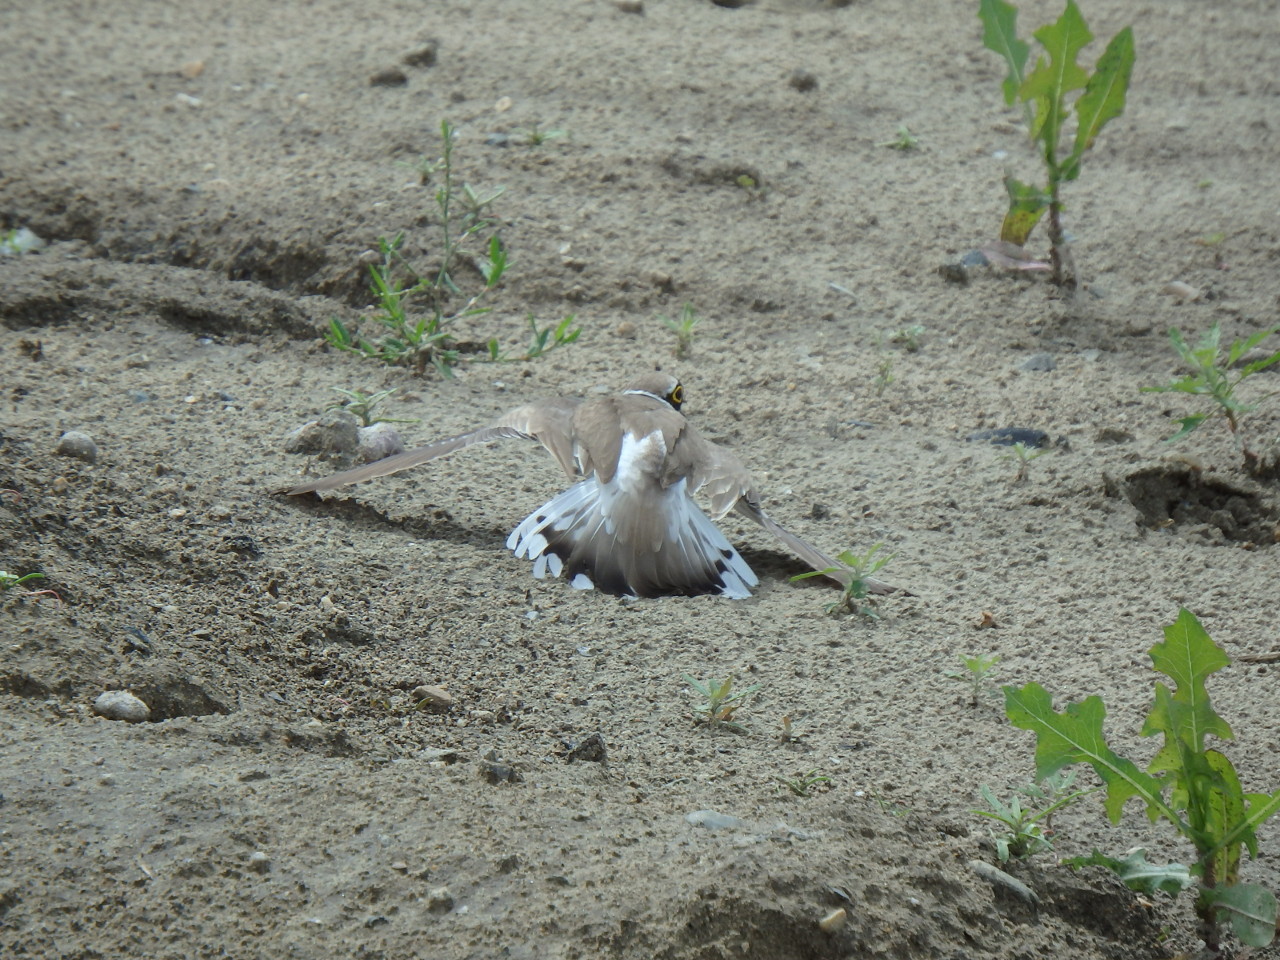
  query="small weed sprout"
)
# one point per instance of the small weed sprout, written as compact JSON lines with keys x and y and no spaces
{"x":904,"y":140}
{"x":884,"y":375}
{"x":857,"y":588}
{"x":1215,"y":378}
{"x":1043,"y":93}
{"x":362,"y":405}
{"x":542,"y":340}
{"x":417,"y":341}
{"x":907,"y":337}
{"x":801,"y":784}
{"x":722,"y":701}
{"x":1022,"y":455}
{"x":976,"y":673}
{"x":535,"y":136}
{"x":8,"y":581}
{"x":1026,"y":829}
{"x":684,"y":328}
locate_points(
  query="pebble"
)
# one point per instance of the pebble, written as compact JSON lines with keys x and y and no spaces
{"x":334,"y":433}
{"x":432,"y":699}
{"x":626,"y":330}
{"x":802,"y":80}
{"x":121,"y":705}
{"x":423,"y":55}
{"x":1039,"y":363}
{"x":77,"y":445}
{"x":834,"y":920}
{"x":259,"y":862}
{"x":712,"y":820}
{"x":1183,"y":291}
{"x":377,"y":441}
{"x":439,"y":900}
{"x":389,"y":77}
{"x":590,"y":749}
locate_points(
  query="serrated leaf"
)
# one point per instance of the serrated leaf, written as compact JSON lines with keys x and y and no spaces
{"x":1137,"y":874}
{"x":1188,"y":656}
{"x":1000,"y":34}
{"x":1075,"y":736}
{"x":1056,"y":75}
{"x":1027,"y":204}
{"x":1103,"y":98}
{"x":1251,"y":910}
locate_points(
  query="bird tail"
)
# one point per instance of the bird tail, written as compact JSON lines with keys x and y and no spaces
{"x":598,"y":536}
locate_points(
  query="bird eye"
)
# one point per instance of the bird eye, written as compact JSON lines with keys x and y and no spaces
{"x":676,"y":396}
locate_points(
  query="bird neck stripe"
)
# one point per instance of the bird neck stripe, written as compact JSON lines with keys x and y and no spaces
{"x":644,"y":393}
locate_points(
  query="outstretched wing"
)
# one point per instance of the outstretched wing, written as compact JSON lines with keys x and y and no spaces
{"x":547,"y":421}
{"x":725,"y":481}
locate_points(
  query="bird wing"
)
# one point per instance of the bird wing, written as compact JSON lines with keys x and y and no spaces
{"x":547,"y":421}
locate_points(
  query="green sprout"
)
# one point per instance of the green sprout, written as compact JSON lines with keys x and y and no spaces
{"x":1043,"y":93}
{"x":684,"y":328}
{"x":722,"y":701}
{"x":905,"y":140}
{"x":975,"y":673}
{"x":362,"y":405}
{"x":1218,"y":380}
{"x":1022,"y":454}
{"x":1026,"y":829}
{"x":535,"y":136}
{"x":856,"y":574}
{"x":801,"y":785}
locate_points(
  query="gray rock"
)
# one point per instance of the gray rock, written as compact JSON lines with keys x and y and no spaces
{"x":334,"y":434}
{"x":259,"y":862}
{"x":121,"y":705}
{"x":78,"y":445}
{"x":713,"y":821}
{"x":378,"y":441}
{"x":1039,"y":363}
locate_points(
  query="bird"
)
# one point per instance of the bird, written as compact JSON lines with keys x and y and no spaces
{"x":628,"y":525}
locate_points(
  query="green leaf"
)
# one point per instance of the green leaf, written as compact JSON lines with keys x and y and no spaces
{"x":1062,"y":41}
{"x":1188,"y":656}
{"x":1137,"y":874}
{"x":1075,"y":736}
{"x":1000,"y":34}
{"x":1027,"y":204}
{"x":1250,"y":908}
{"x":1103,"y":98}
{"x":1056,"y":75}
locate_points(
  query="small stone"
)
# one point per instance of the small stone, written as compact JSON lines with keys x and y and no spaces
{"x":1039,"y":363}
{"x":712,"y":820}
{"x":389,"y":77}
{"x":121,"y":705}
{"x":591,"y":749}
{"x":802,"y":80}
{"x":423,"y":55}
{"x":334,"y":434}
{"x":439,"y":900}
{"x":192,"y":69}
{"x":1182,"y":291}
{"x":78,"y":445}
{"x":377,"y":441}
{"x":834,"y":920}
{"x":626,"y":330}
{"x":432,"y":699}
{"x":400,"y":866}
{"x":259,"y":862}
{"x":630,"y":6}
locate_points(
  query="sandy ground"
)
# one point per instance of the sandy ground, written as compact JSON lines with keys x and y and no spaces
{"x":211,"y":179}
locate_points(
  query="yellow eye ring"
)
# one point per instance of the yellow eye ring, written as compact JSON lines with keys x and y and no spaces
{"x":676,"y":397}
